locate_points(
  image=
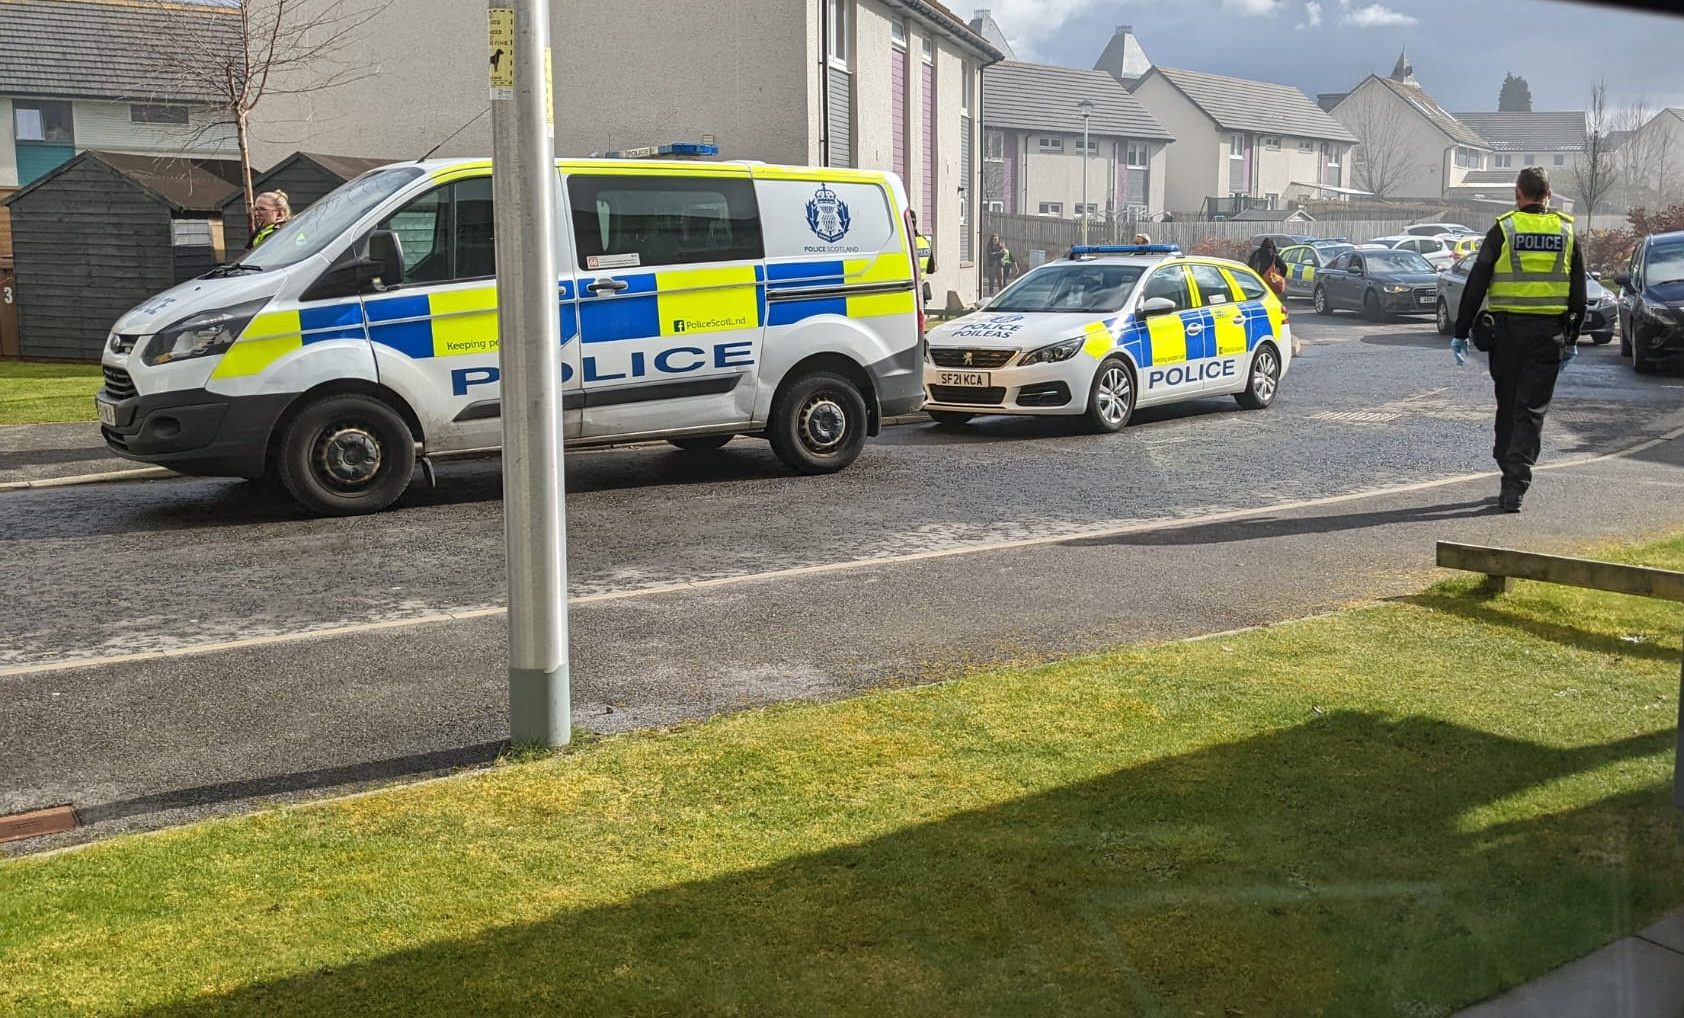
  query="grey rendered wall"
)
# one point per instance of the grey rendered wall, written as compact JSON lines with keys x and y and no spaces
{"x":628,"y":73}
{"x":90,"y":246}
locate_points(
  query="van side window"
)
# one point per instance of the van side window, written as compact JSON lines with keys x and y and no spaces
{"x":1170,"y":282}
{"x":447,"y":233}
{"x":664,"y":220}
{"x":1213,"y":289}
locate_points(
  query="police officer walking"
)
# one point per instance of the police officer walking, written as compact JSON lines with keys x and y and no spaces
{"x":1533,"y":273}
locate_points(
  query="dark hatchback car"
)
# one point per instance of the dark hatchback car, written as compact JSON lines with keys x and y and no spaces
{"x":1600,"y":309}
{"x":1652,"y":302}
{"x":1377,"y":282}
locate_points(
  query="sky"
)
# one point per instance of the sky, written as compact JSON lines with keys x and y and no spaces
{"x":1460,"y":48}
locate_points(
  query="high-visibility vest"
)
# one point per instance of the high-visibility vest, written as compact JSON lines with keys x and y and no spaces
{"x":1533,"y":275}
{"x":262,"y":235}
{"x":923,"y":253}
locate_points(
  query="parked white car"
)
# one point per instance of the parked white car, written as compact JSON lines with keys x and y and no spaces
{"x":1439,"y":230}
{"x":1438,"y":251}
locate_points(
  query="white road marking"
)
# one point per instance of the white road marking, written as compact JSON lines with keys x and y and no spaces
{"x":826,"y":568}
{"x":137,"y":474}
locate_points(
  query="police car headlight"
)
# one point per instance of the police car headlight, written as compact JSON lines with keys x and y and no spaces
{"x":201,"y":335}
{"x":1395,"y":288}
{"x":1053,"y":353}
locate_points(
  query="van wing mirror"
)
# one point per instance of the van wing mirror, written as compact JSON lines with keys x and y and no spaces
{"x":384,"y":264}
{"x":1154,"y":306}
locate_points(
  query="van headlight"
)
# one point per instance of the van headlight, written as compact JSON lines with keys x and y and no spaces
{"x":1052,"y":354}
{"x":201,"y":335}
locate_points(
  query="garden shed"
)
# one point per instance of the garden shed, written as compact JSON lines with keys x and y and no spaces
{"x":103,"y":232}
{"x":306,"y":177}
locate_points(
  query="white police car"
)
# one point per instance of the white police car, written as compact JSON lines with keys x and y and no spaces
{"x":1107,"y":330}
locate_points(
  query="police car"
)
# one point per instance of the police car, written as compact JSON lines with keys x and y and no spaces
{"x":698,"y":301}
{"x":1108,"y":330}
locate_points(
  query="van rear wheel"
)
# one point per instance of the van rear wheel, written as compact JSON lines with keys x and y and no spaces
{"x":818,"y":423}
{"x":346,"y":455}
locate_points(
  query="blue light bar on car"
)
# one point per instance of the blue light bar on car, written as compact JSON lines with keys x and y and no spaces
{"x":678,"y":150}
{"x":1089,"y":250}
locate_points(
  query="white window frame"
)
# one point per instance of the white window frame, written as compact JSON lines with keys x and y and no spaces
{"x":994,"y":206}
{"x":1236,"y":146}
{"x":1048,"y":143}
{"x":1272,"y":142}
{"x":897,"y":34}
{"x":1531,"y":159}
{"x":1330,"y":152}
{"x":1560,"y":159}
{"x":1133,"y":148}
{"x":1502,"y":161}
{"x":964,"y":89}
{"x":994,"y":145}
{"x":841,"y":20}
{"x":1051,"y":208}
{"x":927,"y":49}
{"x":1093,"y":146}
{"x":1306,"y":146}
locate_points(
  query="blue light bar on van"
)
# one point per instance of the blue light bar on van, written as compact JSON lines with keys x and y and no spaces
{"x":678,"y":150}
{"x":1089,"y":250}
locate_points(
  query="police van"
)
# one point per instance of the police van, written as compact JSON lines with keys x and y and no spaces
{"x":698,"y":301}
{"x":1108,"y":330}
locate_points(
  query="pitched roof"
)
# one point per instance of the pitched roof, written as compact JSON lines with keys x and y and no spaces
{"x":1237,"y":104}
{"x":962,"y":32}
{"x":344,"y":167}
{"x":1123,"y":57}
{"x":1036,"y":97}
{"x":1428,"y":107}
{"x":982,"y":23}
{"x":1529,"y":132}
{"x":185,"y":185}
{"x":104,"y":49}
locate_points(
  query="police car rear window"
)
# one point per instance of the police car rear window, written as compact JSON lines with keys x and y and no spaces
{"x":626,"y":221}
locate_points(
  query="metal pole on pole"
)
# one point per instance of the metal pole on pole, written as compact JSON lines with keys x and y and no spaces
{"x":529,"y":358}
{"x":1086,"y":106}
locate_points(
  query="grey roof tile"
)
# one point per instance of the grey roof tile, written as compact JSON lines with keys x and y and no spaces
{"x":1237,"y":104}
{"x":105,"y":49}
{"x":1036,"y":97}
{"x":1529,"y":132}
{"x":1437,"y":115}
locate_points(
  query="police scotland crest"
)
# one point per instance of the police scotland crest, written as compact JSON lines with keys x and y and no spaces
{"x":827,"y":215}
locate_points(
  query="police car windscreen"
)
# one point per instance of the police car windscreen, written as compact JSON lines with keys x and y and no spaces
{"x":1066,"y":288}
{"x":310,"y":231}
{"x":1396,"y":261}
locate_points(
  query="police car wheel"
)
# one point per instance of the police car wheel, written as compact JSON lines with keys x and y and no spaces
{"x":1111,"y":399}
{"x":702,"y":443}
{"x":345,"y":455}
{"x":1265,"y":380}
{"x":818,"y":423}
{"x":1321,"y":304}
{"x":950,"y":418}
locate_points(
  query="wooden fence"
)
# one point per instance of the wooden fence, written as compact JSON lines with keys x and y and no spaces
{"x":1035,"y":239}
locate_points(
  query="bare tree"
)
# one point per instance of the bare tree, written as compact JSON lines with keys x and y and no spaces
{"x":247,"y":50}
{"x":1595,"y":174}
{"x":1646,"y":153}
{"x":1381,"y":160}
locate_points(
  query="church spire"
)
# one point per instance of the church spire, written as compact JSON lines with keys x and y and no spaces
{"x":1404,"y":71}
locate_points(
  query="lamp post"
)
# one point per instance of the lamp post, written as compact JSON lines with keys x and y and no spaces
{"x":1086,"y":106}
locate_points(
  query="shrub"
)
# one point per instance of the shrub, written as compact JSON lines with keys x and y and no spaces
{"x":1643,"y":222}
{"x":1607,"y":251}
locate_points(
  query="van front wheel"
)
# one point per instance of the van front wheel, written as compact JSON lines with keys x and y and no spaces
{"x":818,"y":423}
{"x":346,"y":455}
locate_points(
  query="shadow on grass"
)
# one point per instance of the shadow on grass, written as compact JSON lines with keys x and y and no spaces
{"x":1489,"y":612}
{"x":1321,"y":868}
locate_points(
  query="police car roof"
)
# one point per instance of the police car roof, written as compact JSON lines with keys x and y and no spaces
{"x":715,"y":167}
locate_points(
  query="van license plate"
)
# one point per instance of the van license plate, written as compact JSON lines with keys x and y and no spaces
{"x":969,"y":379}
{"x":107,"y":413}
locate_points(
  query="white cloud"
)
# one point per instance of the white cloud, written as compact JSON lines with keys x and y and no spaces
{"x":1374,"y":16}
{"x":1031,"y":24}
{"x":1312,"y":15}
{"x":1254,"y":8}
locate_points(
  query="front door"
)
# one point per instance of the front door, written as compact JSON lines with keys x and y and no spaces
{"x":1228,"y":324}
{"x":8,"y":312}
{"x":1174,"y":338}
{"x":670,"y":280}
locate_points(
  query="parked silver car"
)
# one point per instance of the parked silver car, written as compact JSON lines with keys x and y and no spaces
{"x":1601,"y":313}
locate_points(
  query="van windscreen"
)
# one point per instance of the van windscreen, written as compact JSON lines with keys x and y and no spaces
{"x":312,"y":230}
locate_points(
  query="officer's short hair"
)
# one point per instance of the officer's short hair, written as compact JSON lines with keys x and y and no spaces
{"x":1533,"y":183}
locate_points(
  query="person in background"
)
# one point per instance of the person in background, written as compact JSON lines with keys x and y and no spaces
{"x":269,"y":211}
{"x":1266,"y":262}
{"x":1533,"y":272}
{"x":1143,"y":238}
{"x":996,"y":253}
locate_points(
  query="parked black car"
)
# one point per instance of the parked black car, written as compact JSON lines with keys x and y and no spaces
{"x":1652,"y":302}
{"x":1377,"y":282}
{"x":1601,"y":313}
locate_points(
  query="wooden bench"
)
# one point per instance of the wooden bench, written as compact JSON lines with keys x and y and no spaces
{"x":1502,"y":566}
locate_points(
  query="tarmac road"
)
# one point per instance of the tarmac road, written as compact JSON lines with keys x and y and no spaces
{"x":941,"y":548}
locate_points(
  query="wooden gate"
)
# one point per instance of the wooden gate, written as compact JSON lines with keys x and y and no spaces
{"x":8,"y":309}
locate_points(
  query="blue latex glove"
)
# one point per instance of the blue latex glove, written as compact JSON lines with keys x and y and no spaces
{"x":1459,"y":348}
{"x":1569,"y":353}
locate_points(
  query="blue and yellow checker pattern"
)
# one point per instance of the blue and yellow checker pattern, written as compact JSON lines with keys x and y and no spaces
{"x":1195,"y":334}
{"x":462,"y":320}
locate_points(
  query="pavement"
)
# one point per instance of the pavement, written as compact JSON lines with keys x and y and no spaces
{"x":46,"y":452}
{"x":1640,"y":976}
{"x":173,"y":649}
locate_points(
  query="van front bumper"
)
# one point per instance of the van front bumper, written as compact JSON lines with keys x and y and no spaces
{"x":194,"y":431}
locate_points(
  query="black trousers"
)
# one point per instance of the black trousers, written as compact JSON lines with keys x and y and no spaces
{"x":1525,"y":358}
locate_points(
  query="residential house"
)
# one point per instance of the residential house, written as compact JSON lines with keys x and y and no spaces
{"x":1649,"y":161}
{"x":982,"y":23}
{"x":1123,"y":57}
{"x":1242,"y":144}
{"x":1551,"y":140}
{"x":1410,"y":146}
{"x":884,"y":84}
{"x":1033,"y":136}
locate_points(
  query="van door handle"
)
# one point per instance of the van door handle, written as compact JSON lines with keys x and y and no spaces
{"x":615,"y":285}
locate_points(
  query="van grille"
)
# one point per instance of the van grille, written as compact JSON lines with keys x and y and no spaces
{"x":963,"y":395}
{"x":118,"y":383}
{"x":954,"y":357}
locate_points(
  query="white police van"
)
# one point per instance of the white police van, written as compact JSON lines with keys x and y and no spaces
{"x":698,"y":301}
{"x":1108,"y":330}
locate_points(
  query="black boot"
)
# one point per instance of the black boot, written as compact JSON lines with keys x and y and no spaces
{"x":1509,"y":499}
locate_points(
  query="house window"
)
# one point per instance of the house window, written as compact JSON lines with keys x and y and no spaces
{"x":1092,"y":146}
{"x":1531,"y":160}
{"x":1050,"y":144}
{"x":1272,"y":142}
{"x":964,"y":90}
{"x":1306,"y":146}
{"x":145,"y":113}
{"x":927,"y":50}
{"x":1136,"y":155}
{"x":897,"y":33}
{"x":994,"y":145}
{"x":1330,"y":153}
{"x":1469,"y":159}
{"x":994,"y":206}
{"x":1090,"y":209}
{"x":1052,"y":208}
{"x":841,"y":22}
{"x":1236,"y":146}
{"x":1561,"y":160}
{"x":46,"y":122}
{"x":1502,"y":162}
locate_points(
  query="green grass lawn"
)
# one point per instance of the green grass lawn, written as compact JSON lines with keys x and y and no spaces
{"x":47,"y":393}
{"x":1396,"y":810}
